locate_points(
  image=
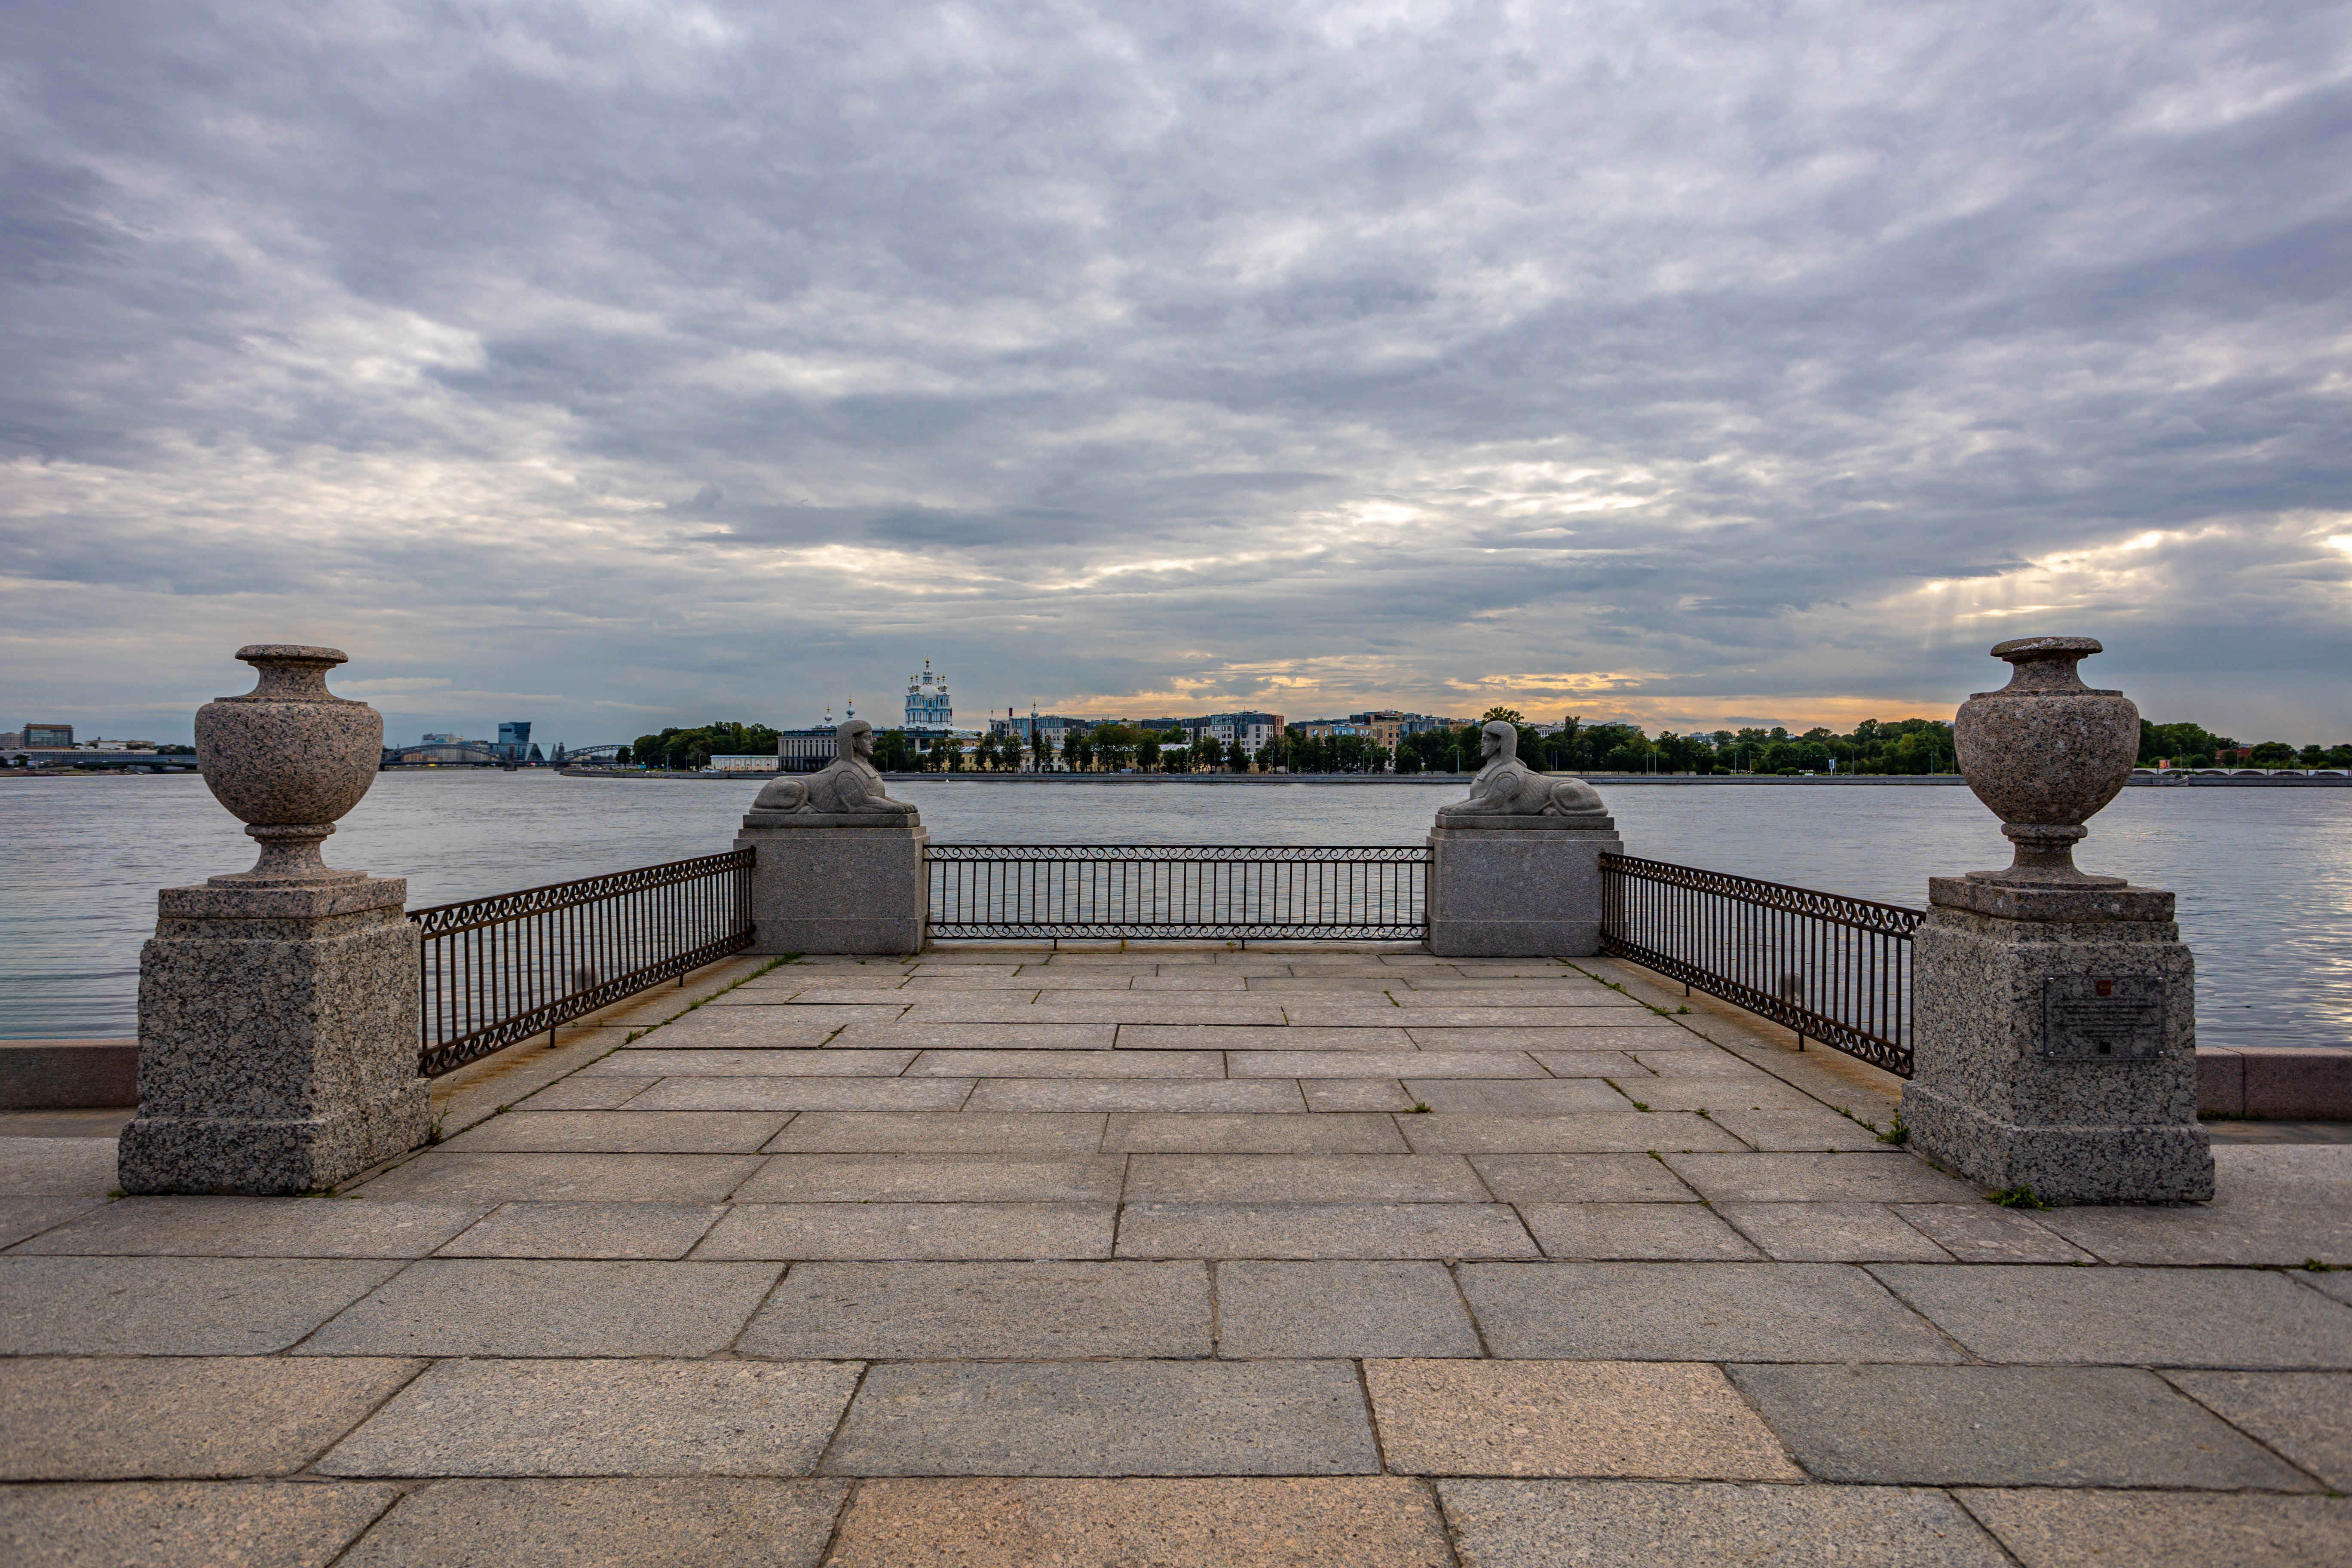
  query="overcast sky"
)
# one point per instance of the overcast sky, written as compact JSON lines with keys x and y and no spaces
{"x":614,"y":366}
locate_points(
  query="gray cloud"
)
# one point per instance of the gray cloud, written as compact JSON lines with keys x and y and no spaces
{"x":1655,"y":360}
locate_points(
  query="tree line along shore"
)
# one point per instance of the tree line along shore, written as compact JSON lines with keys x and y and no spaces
{"x":1874,"y":748}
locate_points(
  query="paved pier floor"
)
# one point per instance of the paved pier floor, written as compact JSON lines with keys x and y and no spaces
{"x":1183,"y":1256}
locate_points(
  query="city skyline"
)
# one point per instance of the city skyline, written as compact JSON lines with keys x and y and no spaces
{"x":1697,"y":369}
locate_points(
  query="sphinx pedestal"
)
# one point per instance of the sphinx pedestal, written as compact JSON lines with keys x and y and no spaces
{"x":1517,"y":887}
{"x":2055,"y":1042}
{"x":278,"y":1038}
{"x":836,"y":882}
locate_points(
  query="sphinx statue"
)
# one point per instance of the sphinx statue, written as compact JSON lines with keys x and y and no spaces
{"x":847,"y":786}
{"x":1507,"y":786}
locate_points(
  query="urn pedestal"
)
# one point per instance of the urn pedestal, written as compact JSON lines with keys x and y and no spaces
{"x":1519,"y":887}
{"x":2054,"y":1021}
{"x":277,"y":1007}
{"x":836,"y":882}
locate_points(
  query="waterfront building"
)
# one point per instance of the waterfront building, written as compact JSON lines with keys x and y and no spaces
{"x":514,"y":742}
{"x":806,"y":751}
{"x":1052,"y":729}
{"x":1255,"y":730}
{"x":928,"y":705}
{"x":756,"y":762}
{"x":56,"y":735}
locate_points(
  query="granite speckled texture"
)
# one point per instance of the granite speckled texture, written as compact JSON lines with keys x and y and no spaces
{"x":2046,"y":753}
{"x":1517,"y":887}
{"x":823,"y":883}
{"x":1986,"y":1101}
{"x":277,"y":1054}
{"x":289,"y":757}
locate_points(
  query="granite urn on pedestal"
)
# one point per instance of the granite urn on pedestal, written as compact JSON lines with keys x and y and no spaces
{"x":277,"y":1006}
{"x":837,"y":864}
{"x":2053,"y":1011}
{"x":1515,"y":870}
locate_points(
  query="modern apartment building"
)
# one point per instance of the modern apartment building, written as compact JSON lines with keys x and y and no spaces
{"x":47,"y":735}
{"x":1255,"y":730}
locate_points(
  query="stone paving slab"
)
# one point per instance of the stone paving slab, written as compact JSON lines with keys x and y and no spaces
{"x":186,"y":1524}
{"x":2236,"y":1227}
{"x":626,"y":1523}
{"x":1041,"y":1063}
{"x":782,"y":1061}
{"x":1224,"y":980}
{"x":1330,"y":1094}
{"x":1650,"y":1524}
{"x":172,"y":1306}
{"x":934,"y":1178}
{"x":927,"y":1312}
{"x":583,"y":1092}
{"x":1373,"y":1522}
{"x":2005,"y":1425}
{"x":23,"y":1217}
{"x":1818,"y":1178}
{"x":1448,"y":1230}
{"x":1012,"y":1035}
{"x":1598,"y":1032}
{"x":574,"y":1417}
{"x":618,"y":1132}
{"x":57,"y":1167}
{"x":1513,"y":1065}
{"x":1635,"y":1230}
{"x":1582,"y":1133}
{"x":1218,"y":1094}
{"x":1581,"y":1178}
{"x":1689,"y":1056}
{"x":1619,"y":1064}
{"x":2304,"y":1416}
{"x":1106,"y":1008}
{"x":1253,"y":1134}
{"x":2139,"y":1317}
{"x":1719,"y":1095}
{"x":1326,"y":1310}
{"x":1239,"y":1038}
{"x":1569,"y":1418}
{"x":2335,"y":1287}
{"x":1798,"y":1131}
{"x":444,"y":1175}
{"x":481,"y":1307}
{"x":1491,"y":1096}
{"x":255,"y":1227}
{"x":724,"y":1028}
{"x":866,"y":1229}
{"x":168,"y":1418}
{"x":1695,"y":1311}
{"x":1440,"y":1015}
{"x":1106,"y":1418}
{"x":917,"y":1132}
{"x":805,"y":1094}
{"x":1445,"y":993}
{"x":2047,"y":1528}
{"x":1980,"y":1233}
{"x":587,"y":1230}
{"x":1831,"y":1233}
{"x":1303,"y":1178}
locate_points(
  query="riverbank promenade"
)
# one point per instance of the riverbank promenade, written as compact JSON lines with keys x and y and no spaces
{"x":1178,"y":1255}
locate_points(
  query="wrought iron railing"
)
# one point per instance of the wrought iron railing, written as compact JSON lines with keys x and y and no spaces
{"x":502,"y":969}
{"x":1179,"y":891}
{"x":1833,"y":969}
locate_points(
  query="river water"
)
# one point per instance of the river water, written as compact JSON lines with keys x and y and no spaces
{"x":2265,"y":876}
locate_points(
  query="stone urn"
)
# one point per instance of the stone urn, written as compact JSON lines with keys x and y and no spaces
{"x":2046,"y":753}
{"x":287,"y":759}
